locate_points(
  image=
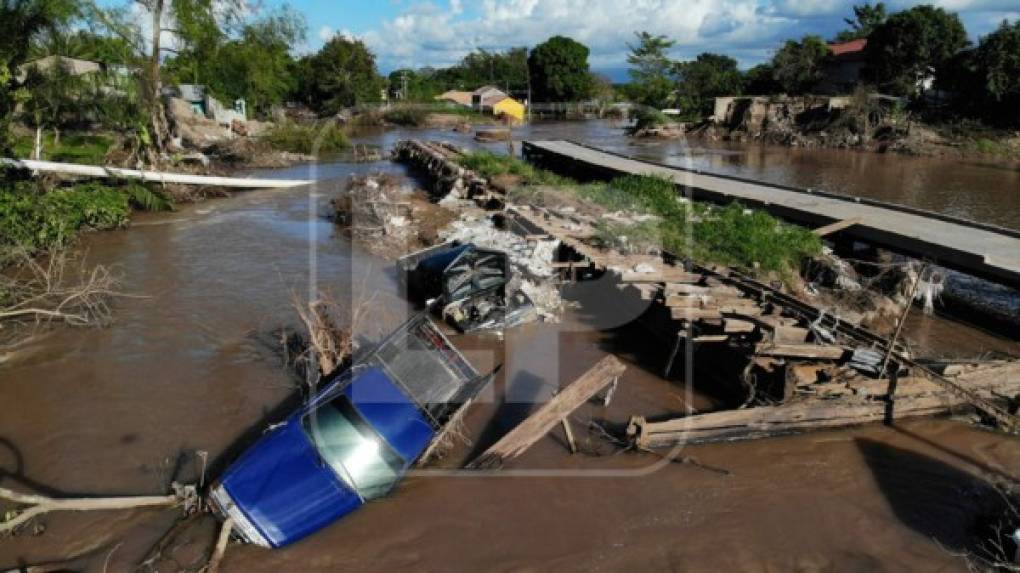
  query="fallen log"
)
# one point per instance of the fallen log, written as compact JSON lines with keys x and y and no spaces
{"x":518,"y":440}
{"x":151,"y":176}
{"x":39,"y":504}
{"x":819,"y":414}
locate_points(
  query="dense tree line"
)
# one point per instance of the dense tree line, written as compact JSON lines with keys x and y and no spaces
{"x":908,"y":53}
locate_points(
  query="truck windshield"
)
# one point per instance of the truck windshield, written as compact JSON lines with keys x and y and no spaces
{"x":355,"y":451}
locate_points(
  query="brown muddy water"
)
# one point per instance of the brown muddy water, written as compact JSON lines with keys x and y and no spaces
{"x":192,"y":363}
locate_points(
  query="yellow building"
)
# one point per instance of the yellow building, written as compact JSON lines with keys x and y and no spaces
{"x":509,"y":107}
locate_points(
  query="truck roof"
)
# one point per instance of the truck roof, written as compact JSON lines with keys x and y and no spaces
{"x":427,"y":367}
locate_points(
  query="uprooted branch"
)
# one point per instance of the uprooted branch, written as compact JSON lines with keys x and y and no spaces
{"x":54,"y":289}
{"x":329,"y":342}
{"x":185,"y":496}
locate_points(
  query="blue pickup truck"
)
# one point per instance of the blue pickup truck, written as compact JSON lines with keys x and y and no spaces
{"x":352,"y":442}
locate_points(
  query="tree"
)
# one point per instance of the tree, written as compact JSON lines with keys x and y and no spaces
{"x":342,"y":74}
{"x":197,"y":26}
{"x":559,"y":70}
{"x":21,"y":23}
{"x":417,"y":86}
{"x":761,"y":80}
{"x":256,"y":65}
{"x":51,"y":99}
{"x":986,"y":81}
{"x":700,"y":81}
{"x":799,"y":66}
{"x":866,"y":18}
{"x":650,"y":72}
{"x":913,"y":45}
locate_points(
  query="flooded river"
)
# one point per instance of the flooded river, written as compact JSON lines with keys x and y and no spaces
{"x":193,"y":362}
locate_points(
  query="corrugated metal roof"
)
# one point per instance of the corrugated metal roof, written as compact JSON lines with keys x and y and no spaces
{"x":850,"y":47}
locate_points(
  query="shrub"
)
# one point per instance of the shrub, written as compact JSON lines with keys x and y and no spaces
{"x":324,"y":139}
{"x":35,"y":221}
{"x":408,"y":116}
{"x":647,"y":117}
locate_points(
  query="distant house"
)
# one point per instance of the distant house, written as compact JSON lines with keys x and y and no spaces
{"x":203,"y":104}
{"x":457,"y":97}
{"x":74,"y":66}
{"x":483,"y":98}
{"x":509,"y":107}
{"x":844,"y":67}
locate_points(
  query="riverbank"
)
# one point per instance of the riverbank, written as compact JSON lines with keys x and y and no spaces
{"x":850,"y":123}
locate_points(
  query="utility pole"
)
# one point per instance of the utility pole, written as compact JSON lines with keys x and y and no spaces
{"x":403,"y":85}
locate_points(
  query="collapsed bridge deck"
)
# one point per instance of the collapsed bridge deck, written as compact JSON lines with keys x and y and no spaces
{"x":974,"y":248}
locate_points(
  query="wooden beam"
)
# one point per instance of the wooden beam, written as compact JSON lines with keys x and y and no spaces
{"x":925,"y":398}
{"x":737,"y":326}
{"x":665,"y":275}
{"x":518,"y":440}
{"x":570,"y":435}
{"x":800,"y":351}
{"x":837,"y":226}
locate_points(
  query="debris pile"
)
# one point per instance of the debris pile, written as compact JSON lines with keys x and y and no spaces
{"x":451,"y":181}
{"x":815,"y":365}
{"x":382,"y":212}
{"x":531,"y":259}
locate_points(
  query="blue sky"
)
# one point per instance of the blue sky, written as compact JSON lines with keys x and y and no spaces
{"x":417,"y":33}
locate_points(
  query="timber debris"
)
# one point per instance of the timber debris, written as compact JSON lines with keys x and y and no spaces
{"x":805,"y":364}
{"x":606,"y":372}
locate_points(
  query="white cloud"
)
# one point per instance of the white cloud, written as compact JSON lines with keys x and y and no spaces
{"x":326,"y":33}
{"x":427,"y":34}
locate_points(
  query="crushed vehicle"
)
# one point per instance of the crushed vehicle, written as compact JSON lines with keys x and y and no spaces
{"x":468,"y":283}
{"x":351,"y":442}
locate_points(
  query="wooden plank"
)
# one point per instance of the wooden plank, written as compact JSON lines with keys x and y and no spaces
{"x":790,"y":335}
{"x":800,"y":351}
{"x":837,"y":226}
{"x":661,"y":276}
{"x":694,"y":313}
{"x":737,"y":326}
{"x":687,"y":301}
{"x":518,"y":440}
{"x":570,"y":435}
{"x":570,"y":264}
{"x":720,"y":291}
{"x":929,"y":399}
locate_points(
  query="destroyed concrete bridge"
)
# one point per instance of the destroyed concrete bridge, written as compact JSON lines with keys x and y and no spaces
{"x":978,"y":249}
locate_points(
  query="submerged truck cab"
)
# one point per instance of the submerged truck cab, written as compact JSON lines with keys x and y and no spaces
{"x":352,"y":442}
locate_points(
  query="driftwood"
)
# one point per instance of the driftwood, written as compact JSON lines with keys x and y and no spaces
{"x":518,"y":440}
{"x":40,"y":505}
{"x":918,"y":398}
{"x":221,"y":546}
{"x":54,"y":288}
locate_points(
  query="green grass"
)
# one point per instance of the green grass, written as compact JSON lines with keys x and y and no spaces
{"x":83,"y":148}
{"x":35,"y":220}
{"x":728,"y":235}
{"x":489,"y":165}
{"x":325,"y":139}
{"x":406,"y":115}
